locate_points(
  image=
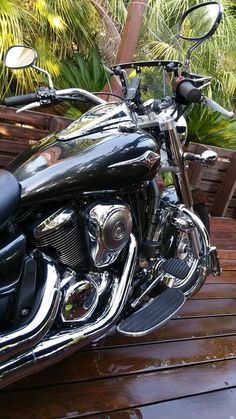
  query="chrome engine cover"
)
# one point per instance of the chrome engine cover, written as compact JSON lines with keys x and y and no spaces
{"x":80,"y":301}
{"x":109,"y":225}
{"x":60,"y":236}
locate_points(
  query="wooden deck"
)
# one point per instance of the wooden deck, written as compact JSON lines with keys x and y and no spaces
{"x":185,"y":370}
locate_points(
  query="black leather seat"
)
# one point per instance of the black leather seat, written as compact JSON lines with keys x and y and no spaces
{"x":9,"y":195}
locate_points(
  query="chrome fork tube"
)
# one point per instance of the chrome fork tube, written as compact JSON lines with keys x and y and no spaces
{"x":181,"y":177}
{"x":59,"y":345}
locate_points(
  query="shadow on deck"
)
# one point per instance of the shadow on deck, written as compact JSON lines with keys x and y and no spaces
{"x":187,"y":366}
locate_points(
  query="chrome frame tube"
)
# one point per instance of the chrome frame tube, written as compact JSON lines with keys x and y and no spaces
{"x":59,"y":345}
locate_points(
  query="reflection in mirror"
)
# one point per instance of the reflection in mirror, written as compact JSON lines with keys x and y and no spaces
{"x":20,"y":57}
{"x":199,"y":22}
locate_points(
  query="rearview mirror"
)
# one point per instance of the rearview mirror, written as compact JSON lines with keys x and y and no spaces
{"x":19,"y":56}
{"x":200,"y":21}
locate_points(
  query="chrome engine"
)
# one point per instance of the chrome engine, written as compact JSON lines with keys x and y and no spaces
{"x":92,"y":237}
{"x":59,"y":236}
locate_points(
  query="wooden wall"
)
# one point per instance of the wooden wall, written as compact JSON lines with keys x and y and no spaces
{"x":20,"y":130}
{"x":219,"y":181}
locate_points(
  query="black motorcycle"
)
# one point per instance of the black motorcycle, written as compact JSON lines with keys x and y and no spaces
{"x":87,"y":240}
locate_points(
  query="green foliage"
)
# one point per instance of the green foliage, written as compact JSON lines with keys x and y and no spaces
{"x":211,"y":128}
{"x":88,"y":74}
{"x":55,"y":28}
{"x":216,"y":58}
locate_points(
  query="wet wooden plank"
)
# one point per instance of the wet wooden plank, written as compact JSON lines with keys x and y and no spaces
{"x":205,"y":308}
{"x":223,"y":224}
{"x":98,"y":396}
{"x":5,"y":160}
{"x":219,"y":404}
{"x":94,"y":364}
{"x":12,"y":147}
{"x":175,"y":329}
{"x":226,"y":190}
{"x":37,"y":119}
{"x":226,"y":277}
{"x":222,"y":244}
{"x":228,"y":264}
{"x":220,"y":291}
{"x":227,"y":254}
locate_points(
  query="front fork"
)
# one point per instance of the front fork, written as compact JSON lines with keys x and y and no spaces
{"x":182,"y":185}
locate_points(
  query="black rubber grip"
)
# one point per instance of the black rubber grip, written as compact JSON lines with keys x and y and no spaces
{"x":188,"y":91}
{"x":20,"y":100}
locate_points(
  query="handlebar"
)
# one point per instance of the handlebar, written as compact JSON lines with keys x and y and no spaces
{"x":48,"y":96}
{"x":20,"y":100}
{"x":186,"y":92}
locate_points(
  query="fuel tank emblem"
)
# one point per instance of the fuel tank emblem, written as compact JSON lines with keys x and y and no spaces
{"x":148,"y":159}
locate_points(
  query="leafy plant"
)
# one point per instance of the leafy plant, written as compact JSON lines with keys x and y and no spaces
{"x":88,"y":74}
{"x":215,"y":58}
{"x":55,"y":28}
{"x":211,"y":128}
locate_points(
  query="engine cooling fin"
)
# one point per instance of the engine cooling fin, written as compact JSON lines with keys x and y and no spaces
{"x":154,"y":314}
{"x":65,"y":243}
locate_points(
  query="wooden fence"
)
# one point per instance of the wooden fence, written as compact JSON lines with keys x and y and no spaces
{"x":219,"y":182}
{"x":19,"y":131}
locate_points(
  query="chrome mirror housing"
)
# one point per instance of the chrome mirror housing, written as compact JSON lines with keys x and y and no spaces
{"x":200,"y":21}
{"x":20,"y":56}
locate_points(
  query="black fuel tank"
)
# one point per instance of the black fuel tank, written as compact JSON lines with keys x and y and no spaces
{"x":102,"y":150}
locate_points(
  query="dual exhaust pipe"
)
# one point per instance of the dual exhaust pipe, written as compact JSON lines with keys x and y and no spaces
{"x":24,"y":352}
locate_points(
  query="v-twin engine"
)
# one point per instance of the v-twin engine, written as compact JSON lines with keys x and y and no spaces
{"x":85,"y":236}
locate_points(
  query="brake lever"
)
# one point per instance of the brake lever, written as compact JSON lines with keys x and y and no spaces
{"x":216,"y":107}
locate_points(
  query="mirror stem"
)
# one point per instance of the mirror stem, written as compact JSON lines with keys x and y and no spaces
{"x":50,"y":82}
{"x":189,"y":53}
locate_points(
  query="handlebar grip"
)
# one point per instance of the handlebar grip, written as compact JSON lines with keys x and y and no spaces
{"x":20,"y":100}
{"x":187,"y":92}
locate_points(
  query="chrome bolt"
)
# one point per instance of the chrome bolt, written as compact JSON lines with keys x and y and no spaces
{"x":24,"y":312}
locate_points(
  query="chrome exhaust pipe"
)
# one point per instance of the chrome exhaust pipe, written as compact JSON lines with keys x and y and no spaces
{"x":14,"y":343}
{"x":58,"y":346}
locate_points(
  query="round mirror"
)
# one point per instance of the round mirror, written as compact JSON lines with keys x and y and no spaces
{"x":200,"y":21}
{"x":19,"y":56}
